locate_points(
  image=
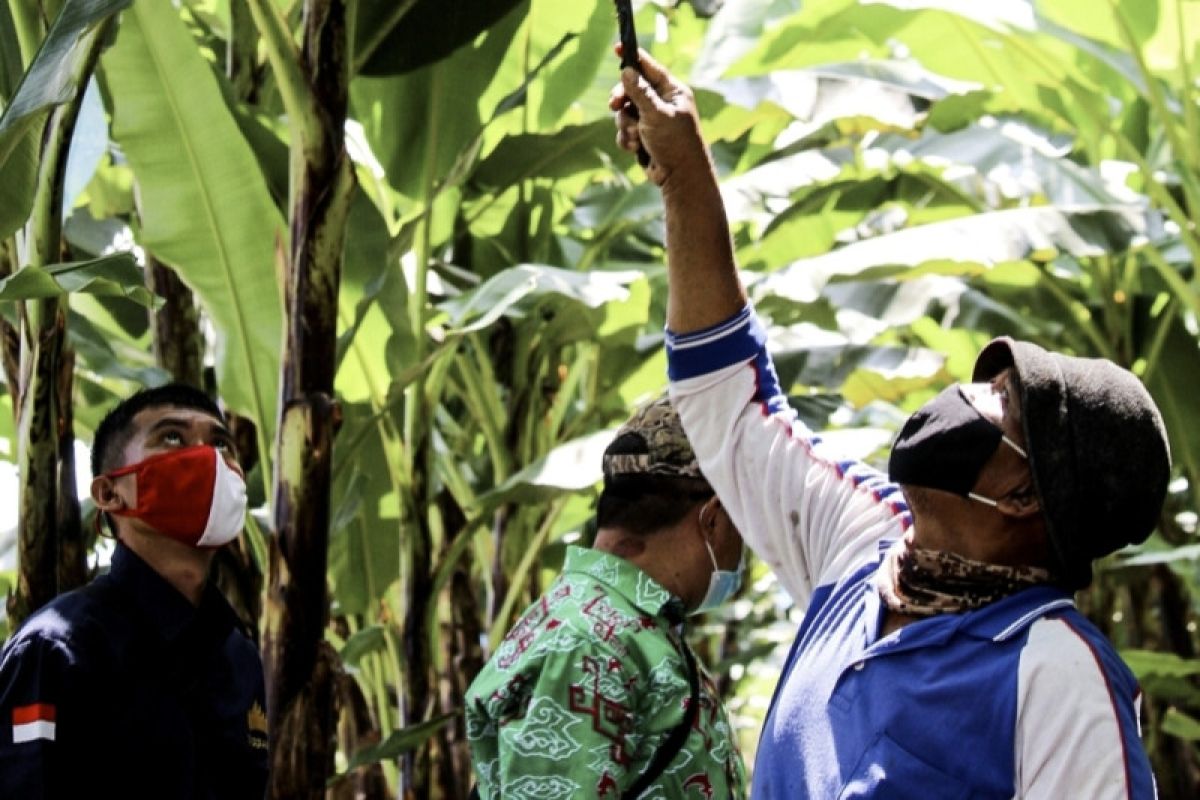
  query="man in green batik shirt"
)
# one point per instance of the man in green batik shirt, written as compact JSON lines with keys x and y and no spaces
{"x":594,"y":692}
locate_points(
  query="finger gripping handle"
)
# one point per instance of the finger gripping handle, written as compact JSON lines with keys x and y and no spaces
{"x":643,"y":158}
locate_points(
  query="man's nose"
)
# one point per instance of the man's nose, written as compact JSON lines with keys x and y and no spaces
{"x":985,"y":400}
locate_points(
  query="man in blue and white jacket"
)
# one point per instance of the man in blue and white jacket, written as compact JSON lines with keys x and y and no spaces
{"x":941,"y":654}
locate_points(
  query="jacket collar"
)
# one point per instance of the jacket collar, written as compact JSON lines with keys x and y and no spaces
{"x":622,"y":577}
{"x":166,"y":611}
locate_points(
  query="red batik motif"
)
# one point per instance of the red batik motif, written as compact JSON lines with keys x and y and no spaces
{"x":701,"y":782}
{"x":607,"y":785}
{"x":608,"y":623}
{"x":525,"y":631}
{"x":610,"y":718}
{"x":708,"y":712}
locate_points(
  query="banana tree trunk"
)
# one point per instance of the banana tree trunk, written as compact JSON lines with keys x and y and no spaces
{"x":10,"y":339}
{"x":301,"y":668}
{"x":72,"y":541}
{"x":178,"y":342}
{"x":47,"y":500}
{"x":416,"y":767}
{"x":43,"y":328}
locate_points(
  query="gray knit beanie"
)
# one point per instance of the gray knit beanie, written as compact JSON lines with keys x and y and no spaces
{"x":1097,"y":448}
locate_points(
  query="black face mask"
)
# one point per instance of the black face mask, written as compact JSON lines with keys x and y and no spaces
{"x":945,"y":445}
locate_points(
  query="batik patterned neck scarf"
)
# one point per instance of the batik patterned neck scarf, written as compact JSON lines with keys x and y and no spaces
{"x":922,"y":583}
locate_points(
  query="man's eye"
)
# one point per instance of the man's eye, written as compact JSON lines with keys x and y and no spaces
{"x":172,"y":437}
{"x":222,"y":445}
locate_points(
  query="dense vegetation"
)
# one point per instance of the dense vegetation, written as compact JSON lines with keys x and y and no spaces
{"x":416,"y":209}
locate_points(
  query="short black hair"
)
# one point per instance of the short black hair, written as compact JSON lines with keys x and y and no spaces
{"x":643,"y":504}
{"x":116,"y":429}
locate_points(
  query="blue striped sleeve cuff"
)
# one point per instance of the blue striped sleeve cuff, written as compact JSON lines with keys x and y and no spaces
{"x":734,"y":341}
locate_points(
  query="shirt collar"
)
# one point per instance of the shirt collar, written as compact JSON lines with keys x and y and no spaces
{"x":163,"y":607}
{"x":647,"y":594}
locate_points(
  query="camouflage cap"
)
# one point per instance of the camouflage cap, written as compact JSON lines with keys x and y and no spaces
{"x":652,"y":442}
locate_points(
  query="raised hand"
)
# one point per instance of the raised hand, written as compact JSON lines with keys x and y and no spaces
{"x":656,"y":111}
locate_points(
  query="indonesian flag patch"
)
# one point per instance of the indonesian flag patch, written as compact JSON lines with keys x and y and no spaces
{"x":33,"y":722}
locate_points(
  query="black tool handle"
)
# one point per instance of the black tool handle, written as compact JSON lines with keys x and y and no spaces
{"x":629,"y":58}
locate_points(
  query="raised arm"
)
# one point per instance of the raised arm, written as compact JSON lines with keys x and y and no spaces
{"x":806,"y":513}
{"x":705,"y":288}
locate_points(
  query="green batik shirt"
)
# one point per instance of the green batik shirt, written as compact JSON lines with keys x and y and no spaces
{"x":587,"y":686}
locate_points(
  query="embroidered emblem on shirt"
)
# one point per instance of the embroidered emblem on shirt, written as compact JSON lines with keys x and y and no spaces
{"x":256,"y":723}
{"x":33,"y":722}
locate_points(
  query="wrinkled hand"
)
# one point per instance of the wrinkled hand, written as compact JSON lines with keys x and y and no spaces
{"x":666,"y":122}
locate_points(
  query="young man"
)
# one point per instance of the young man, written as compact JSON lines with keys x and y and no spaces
{"x":941,"y":654}
{"x":141,"y":684}
{"x":595,"y":693}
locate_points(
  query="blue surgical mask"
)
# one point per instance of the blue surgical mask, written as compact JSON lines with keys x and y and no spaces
{"x":722,"y":585}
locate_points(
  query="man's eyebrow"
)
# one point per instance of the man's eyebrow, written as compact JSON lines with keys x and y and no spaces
{"x":184,"y":422}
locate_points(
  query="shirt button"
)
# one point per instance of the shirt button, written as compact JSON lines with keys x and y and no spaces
{"x":858,"y":667}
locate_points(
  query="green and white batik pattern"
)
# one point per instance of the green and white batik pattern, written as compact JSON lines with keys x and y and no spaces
{"x":586,"y":687}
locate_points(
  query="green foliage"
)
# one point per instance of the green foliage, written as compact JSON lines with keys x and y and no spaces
{"x":905,"y":180}
{"x":204,"y":205}
{"x":400,"y":742}
{"x":53,"y":79}
{"x":114,"y":276}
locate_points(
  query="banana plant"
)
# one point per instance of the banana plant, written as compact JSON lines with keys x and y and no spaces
{"x":37,"y":125}
{"x":312,"y":80}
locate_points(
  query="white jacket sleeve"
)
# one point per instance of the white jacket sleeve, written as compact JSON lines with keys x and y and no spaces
{"x":808,"y":515}
{"x":1077,"y":721}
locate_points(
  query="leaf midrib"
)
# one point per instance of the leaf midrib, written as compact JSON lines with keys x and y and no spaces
{"x":207,"y":205}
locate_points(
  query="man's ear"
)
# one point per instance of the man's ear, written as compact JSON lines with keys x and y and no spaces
{"x":708,"y":516}
{"x":104,"y":494}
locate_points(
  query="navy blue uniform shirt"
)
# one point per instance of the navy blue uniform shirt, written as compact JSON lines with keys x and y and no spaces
{"x":123,"y":689}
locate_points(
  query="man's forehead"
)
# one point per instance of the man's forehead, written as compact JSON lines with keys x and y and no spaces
{"x":147,"y":418}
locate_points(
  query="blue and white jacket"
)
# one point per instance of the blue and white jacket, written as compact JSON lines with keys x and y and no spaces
{"x":1023,"y":698}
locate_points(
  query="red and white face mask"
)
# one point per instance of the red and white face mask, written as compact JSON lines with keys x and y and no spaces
{"x":189,"y":494}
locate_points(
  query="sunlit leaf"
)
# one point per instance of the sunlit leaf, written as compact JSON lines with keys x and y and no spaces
{"x":517,"y":292}
{"x":733,"y":32}
{"x":417,"y":123}
{"x":1176,"y":723}
{"x":363,"y":554}
{"x":51,"y":80}
{"x":399,"y":742}
{"x":89,"y":145}
{"x":1145,"y":663}
{"x":205,"y":206}
{"x":370,"y":639}
{"x":968,"y":245}
{"x":117,"y":276}
{"x":569,"y":468}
